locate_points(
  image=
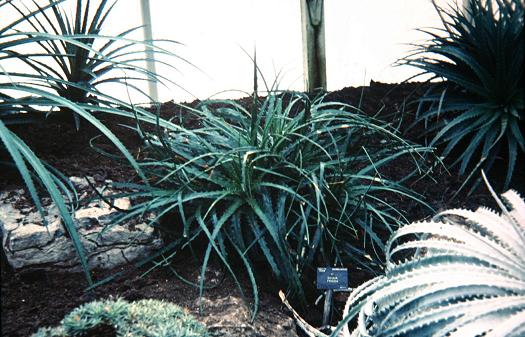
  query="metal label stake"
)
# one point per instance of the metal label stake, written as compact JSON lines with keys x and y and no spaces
{"x":327,"y":308}
{"x":330,"y":279}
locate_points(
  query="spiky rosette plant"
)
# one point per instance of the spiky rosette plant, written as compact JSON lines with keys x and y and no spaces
{"x":461,"y":274}
{"x":475,"y":114}
{"x":71,"y":56}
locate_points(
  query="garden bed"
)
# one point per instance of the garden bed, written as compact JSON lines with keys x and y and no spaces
{"x":34,"y":299}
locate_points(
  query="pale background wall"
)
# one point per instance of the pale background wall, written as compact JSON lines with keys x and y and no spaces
{"x":363,"y":39}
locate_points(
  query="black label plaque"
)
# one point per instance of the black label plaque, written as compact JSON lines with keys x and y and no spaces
{"x":332,"y":278}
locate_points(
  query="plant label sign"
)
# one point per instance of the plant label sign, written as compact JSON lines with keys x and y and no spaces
{"x":332,"y":278}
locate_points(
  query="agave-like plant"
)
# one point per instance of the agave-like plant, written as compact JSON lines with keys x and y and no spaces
{"x":461,"y":274}
{"x":70,"y":58}
{"x":70,"y":55}
{"x":479,"y":53}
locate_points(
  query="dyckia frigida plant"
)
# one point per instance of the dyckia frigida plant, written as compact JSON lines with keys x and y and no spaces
{"x":289,"y":183}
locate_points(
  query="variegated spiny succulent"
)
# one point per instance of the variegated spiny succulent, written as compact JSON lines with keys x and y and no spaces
{"x":461,"y":274}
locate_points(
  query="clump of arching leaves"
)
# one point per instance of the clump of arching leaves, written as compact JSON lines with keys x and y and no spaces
{"x":477,"y":111}
{"x":288,"y":183}
{"x":144,"y":318}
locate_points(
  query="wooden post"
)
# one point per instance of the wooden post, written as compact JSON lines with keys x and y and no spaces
{"x":314,"y":56}
{"x":150,"y":55}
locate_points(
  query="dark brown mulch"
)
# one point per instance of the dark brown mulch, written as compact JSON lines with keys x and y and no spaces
{"x":36,"y":299}
{"x":101,"y":330}
{"x":31,"y":300}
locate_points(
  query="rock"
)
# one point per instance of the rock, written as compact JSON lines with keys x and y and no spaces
{"x":229,"y":316}
{"x":100,"y":209}
{"x":81,"y":183}
{"x":28,"y":244}
{"x":32,"y":236}
{"x":10,"y":217}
